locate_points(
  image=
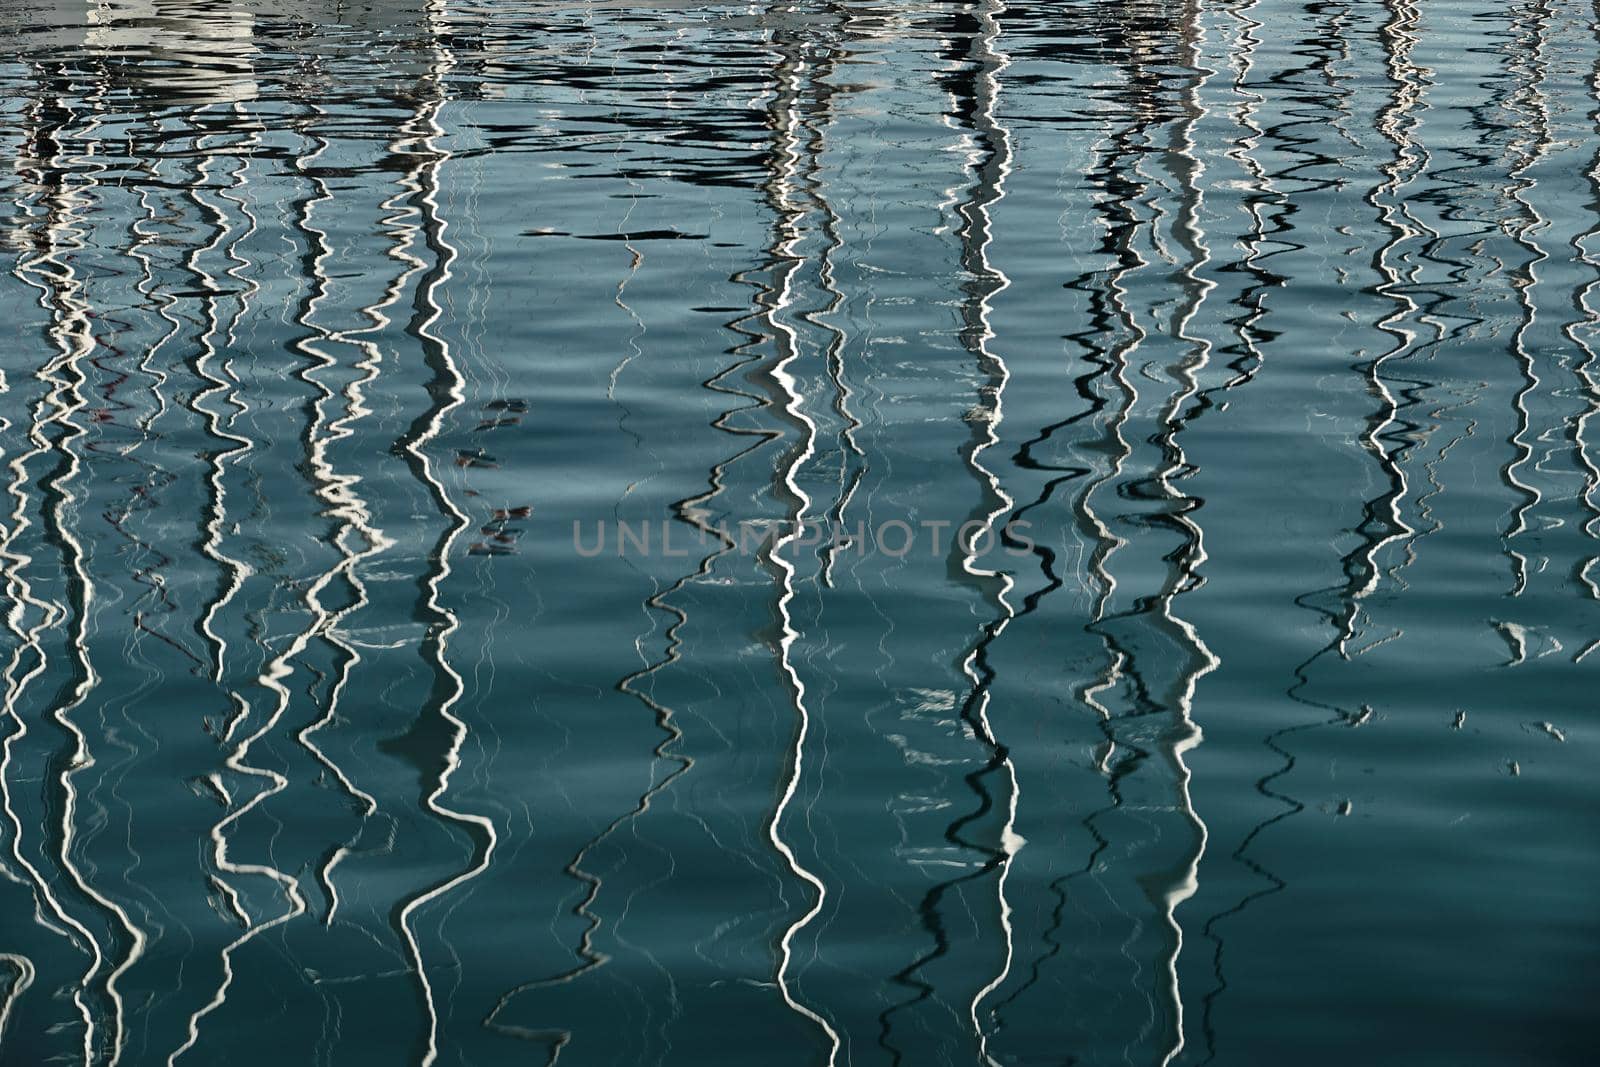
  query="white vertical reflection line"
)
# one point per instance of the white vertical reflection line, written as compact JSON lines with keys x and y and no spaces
{"x":78,"y":340}
{"x":1397,"y":123}
{"x":999,"y":144}
{"x":341,"y":491}
{"x":1528,"y":88}
{"x":1578,"y":331}
{"x":48,"y":273}
{"x":330,"y":489}
{"x":19,"y":986}
{"x":346,"y":502}
{"x":1190,"y":218}
{"x":220,"y":426}
{"x":782,"y":299}
{"x":271,"y":678}
{"x":437,"y":156}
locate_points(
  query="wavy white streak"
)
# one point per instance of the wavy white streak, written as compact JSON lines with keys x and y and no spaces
{"x":289,"y":884}
{"x":1526,"y":236}
{"x":73,"y":333}
{"x":785,"y":181}
{"x":1241,"y":55}
{"x":225,"y":386}
{"x":429,"y":188}
{"x":19,"y":986}
{"x":980,"y":218}
{"x":237,"y":195}
{"x":141,"y":250}
{"x":1584,"y":306}
{"x":1108,"y":541}
{"x":229,"y":237}
{"x":20,"y":592}
{"x":334,"y":490}
{"x":1188,"y":373}
{"x":341,"y":490}
{"x":635,"y":263}
{"x":270,"y":678}
{"x":1397,"y":124}
{"x":843,"y":393}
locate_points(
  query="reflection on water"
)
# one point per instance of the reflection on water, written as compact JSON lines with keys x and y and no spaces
{"x":1197,"y":667}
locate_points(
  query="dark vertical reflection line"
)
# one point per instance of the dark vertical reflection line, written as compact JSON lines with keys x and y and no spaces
{"x":1107,"y":342}
{"x":1247,"y":333}
{"x":1386,"y":435}
{"x":990,"y":162}
{"x":1381,"y":521}
{"x":223,"y":386}
{"x":1126,"y":188}
{"x":349,"y":532}
{"x":991,"y":167}
{"x":1101,"y":324}
{"x":1175,"y":513}
{"x":212,"y":138}
{"x":1124,"y":663}
{"x":358,"y":538}
{"x":355,"y":536}
{"x":1247,"y":330}
{"x":346,"y":511}
{"x":219,"y":384}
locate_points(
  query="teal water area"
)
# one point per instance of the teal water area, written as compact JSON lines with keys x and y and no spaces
{"x":823,"y":533}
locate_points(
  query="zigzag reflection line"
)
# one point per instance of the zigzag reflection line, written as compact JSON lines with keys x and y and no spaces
{"x":416,"y":448}
{"x":270,"y":677}
{"x":21,"y":594}
{"x":783,"y":297}
{"x":73,"y":334}
{"x":979,"y":220}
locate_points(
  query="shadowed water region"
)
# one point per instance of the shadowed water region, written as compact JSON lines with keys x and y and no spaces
{"x":815,"y":533}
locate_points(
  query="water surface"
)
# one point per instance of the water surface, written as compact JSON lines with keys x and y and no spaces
{"x":1166,"y":435}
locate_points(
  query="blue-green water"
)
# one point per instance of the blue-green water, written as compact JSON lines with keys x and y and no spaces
{"x":812,"y":533}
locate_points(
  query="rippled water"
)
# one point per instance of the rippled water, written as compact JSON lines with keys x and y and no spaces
{"x":833,"y":532}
